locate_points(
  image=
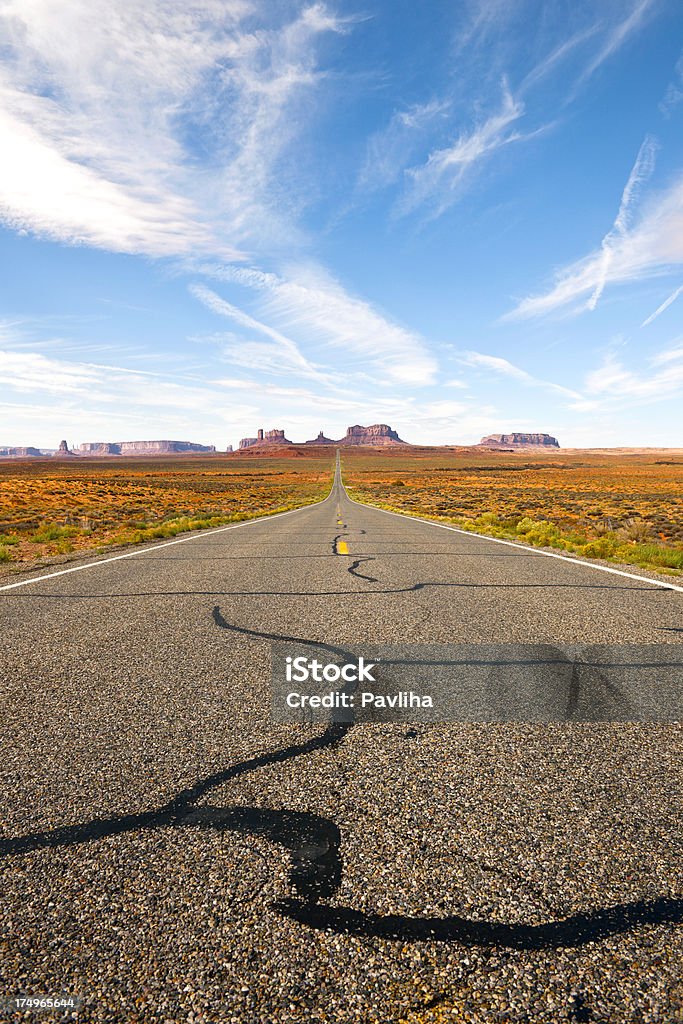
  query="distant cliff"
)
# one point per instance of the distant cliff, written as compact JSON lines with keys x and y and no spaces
{"x":20,"y":453}
{"x":519,"y":440}
{"x":141,"y":448}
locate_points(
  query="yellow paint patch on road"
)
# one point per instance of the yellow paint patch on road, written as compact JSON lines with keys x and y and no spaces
{"x":342,"y":548}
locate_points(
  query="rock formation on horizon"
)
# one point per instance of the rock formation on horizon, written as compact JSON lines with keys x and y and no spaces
{"x":321,"y":439}
{"x":142,"y":448}
{"x":20,"y":453}
{"x":520,"y":440}
{"x":263,"y":438}
{"x":63,"y":451}
{"x":376,"y":434}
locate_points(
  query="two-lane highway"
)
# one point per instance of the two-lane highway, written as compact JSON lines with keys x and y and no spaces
{"x":168,"y":850}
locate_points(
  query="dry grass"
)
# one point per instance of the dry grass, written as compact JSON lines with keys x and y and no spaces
{"x":50,"y":508}
{"x":623,"y":506}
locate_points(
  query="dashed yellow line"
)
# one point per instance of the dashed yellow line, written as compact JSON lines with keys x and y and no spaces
{"x":342,"y":547}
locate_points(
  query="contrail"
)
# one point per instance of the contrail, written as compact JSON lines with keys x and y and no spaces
{"x":664,"y":305}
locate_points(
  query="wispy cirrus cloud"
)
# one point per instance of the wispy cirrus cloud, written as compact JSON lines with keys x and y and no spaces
{"x":557,"y":56}
{"x":631,"y":251}
{"x":33,"y":371}
{"x":281,"y":355}
{"x":669,"y":355}
{"x":390,"y":150}
{"x":439,"y":180}
{"x":492,"y":37}
{"x":320,"y":312}
{"x":44,"y":191}
{"x":505,"y":368}
{"x":108,"y":398}
{"x":640,"y":172}
{"x":617,"y":35}
{"x":613,"y":384}
{"x":150,"y":127}
{"x":674,"y":91}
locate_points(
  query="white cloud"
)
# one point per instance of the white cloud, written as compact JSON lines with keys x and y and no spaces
{"x":440,"y":178}
{"x":617,"y":37}
{"x":613,"y":385}
{"x":669,"y":355}
{"x":482,"y":18}
{"x":43,"y":191}
{"x":104,"y":403}
{"x":654,"y":245}
{"x":32,"y":371}
{"x":674,"y":91}
{"x":389,"y":150}
{"x":280,"y":356}
{"x":507,"y":369}
{"x":147,"y":127}
{"x":445,"y":422}
{"x":318,"y":310}
{"x":556,"y":57}
{"x":640,"y":172}
{"x":113,"y":403}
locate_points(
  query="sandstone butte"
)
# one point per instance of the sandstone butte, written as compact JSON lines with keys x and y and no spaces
{"x":379,"y":434}
{"x":141,"y":448}
{"x":519,"y":440}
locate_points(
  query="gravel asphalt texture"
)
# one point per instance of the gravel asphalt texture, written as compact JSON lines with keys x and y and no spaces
{"x":170,"y":854}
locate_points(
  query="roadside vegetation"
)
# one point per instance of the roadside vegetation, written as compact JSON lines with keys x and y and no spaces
{"x":617,"y":506}
{"x":50,"y":509}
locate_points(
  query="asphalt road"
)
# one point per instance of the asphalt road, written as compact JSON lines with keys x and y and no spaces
{"x":170,"y":853}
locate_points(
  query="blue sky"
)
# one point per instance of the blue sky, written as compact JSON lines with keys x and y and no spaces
{"x":453,"y":217}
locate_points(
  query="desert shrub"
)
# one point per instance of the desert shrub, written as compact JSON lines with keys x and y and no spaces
{"x":487,"y":519}
{"x":603,"y":547}
{"x":637,"y":530}
{"x":51,"y":532}
{"x":544,"y":534}
{"x":5,"y":556}
{"x":539,"y":532}
{"x":8,"y":538}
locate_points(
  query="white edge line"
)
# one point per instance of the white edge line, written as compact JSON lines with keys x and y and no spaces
{"x":194,"y":535}
{"x":523,"y":547}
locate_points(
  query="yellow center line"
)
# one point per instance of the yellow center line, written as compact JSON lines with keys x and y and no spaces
{"x":342,"y":547}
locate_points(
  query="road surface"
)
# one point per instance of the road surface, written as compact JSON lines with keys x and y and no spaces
{"x":170,"y":853}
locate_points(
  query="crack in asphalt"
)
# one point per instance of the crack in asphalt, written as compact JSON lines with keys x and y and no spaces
{"x":570,"y":932}
{"x":336,"y":540}
{"x":359,"y":575}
